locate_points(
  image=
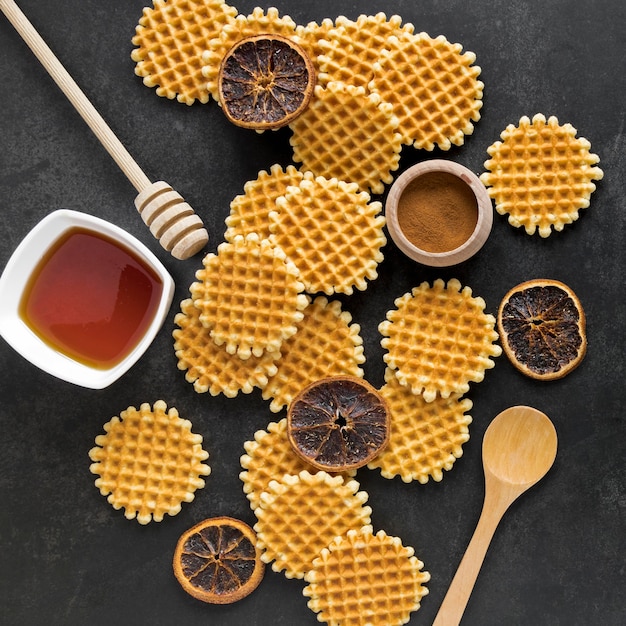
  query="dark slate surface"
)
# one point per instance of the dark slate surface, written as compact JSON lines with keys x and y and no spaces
{"x":558,"y":557}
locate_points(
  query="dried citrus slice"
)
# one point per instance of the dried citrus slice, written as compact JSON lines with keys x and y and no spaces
{"x":338,"y":423}
{"x":265,"y":81}
{"x":542,"y":325}
{"x":217,"y":560}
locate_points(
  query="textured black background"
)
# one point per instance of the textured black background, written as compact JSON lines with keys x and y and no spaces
{"x":558,"y":557}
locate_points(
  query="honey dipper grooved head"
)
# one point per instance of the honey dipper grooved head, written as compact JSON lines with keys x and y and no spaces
{"x":171,"y":220}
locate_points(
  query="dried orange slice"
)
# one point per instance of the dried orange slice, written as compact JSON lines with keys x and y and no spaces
{"x":542,"y":325}
{"x":338,"y":423}
{"x":217,"y":560}
{"x":265,"y":81}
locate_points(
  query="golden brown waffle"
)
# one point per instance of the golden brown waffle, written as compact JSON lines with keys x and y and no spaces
{"x":312,"y":37}
{"x":439,"y":339}
{"x":209,"y":366}
{"x":366,"y":579}
{"x":541,"y":174}
{"x":352,"y":48}
{"x":300,"y":514}
{"x":170,"y":40}
{"x":433,"y":87}
{"x":325,"y":344}
{"x":149,"y":462}
{"x":348,"y":134}
{"x":249,"y":296}
{"x":268,"y":456}
{"x":332,"y":232}
{"x":257,"y":23}
{"x":425,"y":437}
{"x":249,"y":212}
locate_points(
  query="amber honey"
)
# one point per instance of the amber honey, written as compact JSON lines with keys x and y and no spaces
{"x":91,"y":298}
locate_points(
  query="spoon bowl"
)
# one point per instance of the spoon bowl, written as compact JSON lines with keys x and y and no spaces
{"x":519,"y":448}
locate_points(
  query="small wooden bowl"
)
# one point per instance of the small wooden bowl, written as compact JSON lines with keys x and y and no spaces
{"x":471,"y":245}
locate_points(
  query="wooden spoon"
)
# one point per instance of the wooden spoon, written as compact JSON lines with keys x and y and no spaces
{"x":170,"y":219}
{"x":519,"y":448}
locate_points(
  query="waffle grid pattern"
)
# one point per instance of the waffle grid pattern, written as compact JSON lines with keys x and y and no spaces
{"x":541,"y":174}
{"x":439,"y":339}
{"x":353,"y":47}
{"x":170,"y":40}
{"x":332,"y":232}
{"x":249,"y":211}
{"x":267,"y":456}
{"x":433,"y":88}
{"x":318,"y":505}
{"x":348,"y":134}
{"x":426,"y":438}
{"x":210,"y":367}
{"x":366,"y":579}
{"x":148,"y":462}
{"x":325,"y":344}
{"x":249,"y":296}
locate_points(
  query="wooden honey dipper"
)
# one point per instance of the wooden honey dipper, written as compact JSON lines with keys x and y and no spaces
{"x":170,"y":219}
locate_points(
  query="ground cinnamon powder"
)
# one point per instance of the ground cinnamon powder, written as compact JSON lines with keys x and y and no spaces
{"x":437,"y":212}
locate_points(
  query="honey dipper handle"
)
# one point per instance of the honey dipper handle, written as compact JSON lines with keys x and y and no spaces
{"x":75,"y":95}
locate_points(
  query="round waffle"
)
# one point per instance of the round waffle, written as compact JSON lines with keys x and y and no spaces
{"x":433,"y":88}
{"x":348,"y":134}
{"x":325,"y":344}
{"x":352,"y":48}
{"x":243,"y":26}
{"x":425,"y":437}
{"x":249,"y":212}
{"x":439,"y":339}
{"x":269,"y":455}
{"x":209,"y":366}
{"x":366,"y":579}
{"x":332,"y":232}
{"x":312,"y":37}
{"x":148,"y":462}
{"x":541,"y":174}
{"x":170,"y":40}
{"x":300,"y":514}
{"x":249,"y":296}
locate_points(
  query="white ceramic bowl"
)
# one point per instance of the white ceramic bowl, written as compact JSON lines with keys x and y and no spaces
{"x":471,"y":245}
{"x":14,"y":280}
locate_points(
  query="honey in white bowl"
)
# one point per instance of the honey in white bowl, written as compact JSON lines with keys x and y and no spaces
{"x":91,"y":298}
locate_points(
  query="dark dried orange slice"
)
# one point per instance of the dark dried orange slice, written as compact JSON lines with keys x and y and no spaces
{"x":542,"y":326}
{"x":338,"y":423}
{"x":265,"y":82}
{"x":217,"y":560}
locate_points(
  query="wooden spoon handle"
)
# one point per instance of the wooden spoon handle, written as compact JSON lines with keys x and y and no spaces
{"x":457,"y":596}
{"x":75,"y":95}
